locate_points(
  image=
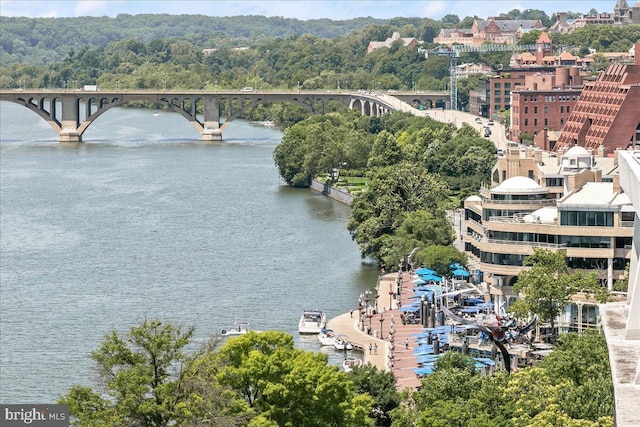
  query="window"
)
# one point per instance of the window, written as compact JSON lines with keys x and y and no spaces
{"x":546,"y":109}
{"x":561,"y":109}
{"x":526,"y":110}
{"x":535,"y":122}
{"x":546,"y":122}
{"x":526,"y":122}
{"x":568,"y":108}
{"x":531,"y":176}
{"x":497,"y":92}
{"x":535,"y":110}
{"x":586,"y":218}
{"x":561,"y":122}
{"x":496,"y":85}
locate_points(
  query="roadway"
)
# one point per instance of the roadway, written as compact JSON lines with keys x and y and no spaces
{"x":454,"y":117}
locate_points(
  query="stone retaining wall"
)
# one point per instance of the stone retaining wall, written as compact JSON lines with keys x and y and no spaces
{"x":332,"y":192}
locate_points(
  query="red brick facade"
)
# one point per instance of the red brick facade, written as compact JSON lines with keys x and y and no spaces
{"x":546,"y":102}
{"x":608,"y":111}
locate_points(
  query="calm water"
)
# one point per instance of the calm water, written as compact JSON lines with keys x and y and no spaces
{"x":144,"y":220}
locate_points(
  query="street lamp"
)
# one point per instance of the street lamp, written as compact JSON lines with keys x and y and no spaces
{"x":298,"y":86}
{"x":390,"y":295}
{"x":164,"y":84}
{"x":338,"y":85}
{"x":381,"y":322}
{"x":117,"y":85}
{"x":379,"y":86}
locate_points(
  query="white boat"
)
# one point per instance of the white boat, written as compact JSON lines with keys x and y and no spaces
{"x":351,"y":362}
{"x":326,"y":337}
{"x":238,"y":328}
{"x":341,"y":342}
{"x":312,"y":322}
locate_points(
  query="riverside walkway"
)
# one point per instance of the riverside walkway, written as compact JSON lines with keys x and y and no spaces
{"x":403,"y":361}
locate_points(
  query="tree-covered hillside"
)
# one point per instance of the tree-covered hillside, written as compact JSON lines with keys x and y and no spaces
{"x":41,"y":41}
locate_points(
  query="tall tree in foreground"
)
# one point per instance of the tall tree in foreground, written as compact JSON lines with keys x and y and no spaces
{"x":140,"y":372}
{"x":548,"y":286}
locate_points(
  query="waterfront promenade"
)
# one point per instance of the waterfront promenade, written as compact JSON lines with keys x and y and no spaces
{"x":403,"y":361}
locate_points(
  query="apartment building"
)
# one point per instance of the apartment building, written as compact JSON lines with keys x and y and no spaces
{"x":570,"y":201}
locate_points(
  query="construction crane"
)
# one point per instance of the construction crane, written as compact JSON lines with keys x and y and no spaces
{"x":454,"y":51}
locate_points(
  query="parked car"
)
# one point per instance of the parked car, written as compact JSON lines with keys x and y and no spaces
{"x":478,"y":120}
{"x":490,"y":122}
{"x":246,"y":89}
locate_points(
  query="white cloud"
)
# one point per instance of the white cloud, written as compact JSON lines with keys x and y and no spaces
{"x":435,"y":9}
{"x":89,"y":7}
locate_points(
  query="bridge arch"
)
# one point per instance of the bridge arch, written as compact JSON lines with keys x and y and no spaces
{"x":70,"y":113}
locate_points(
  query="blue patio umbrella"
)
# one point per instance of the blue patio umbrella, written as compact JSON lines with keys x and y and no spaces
{"x":418,"y":282}
{"x":460,"y":272}
{"x":425,"y":271}
{"x":455,"y":266}
{"x":425,"y":370}
{"x":437,"y":279}
{"x":409,"y":308}
{"x":485,"y":360}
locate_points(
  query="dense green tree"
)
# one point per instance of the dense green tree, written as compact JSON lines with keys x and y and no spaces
{"x":548,"y":286}
{"x":583,"y":360}
{"x":319,"y":145}
{"x":450,"y":19}
{"x":289,"y":386}
{"x":381,"y":386}
{"x":385,"y":151}
{"x":393,"y":192}
{"x":141,"y":372}
{"x":439,"y":258}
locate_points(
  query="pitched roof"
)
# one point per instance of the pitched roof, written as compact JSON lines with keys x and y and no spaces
{"x":544,"y":38}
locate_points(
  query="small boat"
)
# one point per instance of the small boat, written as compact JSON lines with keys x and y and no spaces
{"x":265,"y":123}
{"x":341,"y":342}
{"x":351,"y":362}
{"x":238,"y":328}
{"x":312,"y":322}
{"x":326,"y":337}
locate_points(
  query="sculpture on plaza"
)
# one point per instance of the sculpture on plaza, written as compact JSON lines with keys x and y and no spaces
{"x":500,"y":329}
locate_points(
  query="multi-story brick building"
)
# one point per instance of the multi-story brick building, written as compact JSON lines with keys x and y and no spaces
{"x":504,"y":82}
{"x":545,"y":102}
{"x":608,"y":111}
{"x":493,"y":30}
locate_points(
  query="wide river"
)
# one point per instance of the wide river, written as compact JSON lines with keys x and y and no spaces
{"x":143,"y":220}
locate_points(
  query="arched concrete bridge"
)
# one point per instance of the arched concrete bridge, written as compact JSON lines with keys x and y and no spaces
{"x":70,"y":113}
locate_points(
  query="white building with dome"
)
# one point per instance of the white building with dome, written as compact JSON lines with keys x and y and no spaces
{"x":571,"y":202}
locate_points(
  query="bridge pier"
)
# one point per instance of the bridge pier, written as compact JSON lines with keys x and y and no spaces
{"x":69,"y":134}
{"x":211,"y":135}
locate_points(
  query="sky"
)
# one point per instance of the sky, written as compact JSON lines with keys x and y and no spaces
{"x":304,"y":10}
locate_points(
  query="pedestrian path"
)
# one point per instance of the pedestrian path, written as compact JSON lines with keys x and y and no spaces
{"x":392,"y":354}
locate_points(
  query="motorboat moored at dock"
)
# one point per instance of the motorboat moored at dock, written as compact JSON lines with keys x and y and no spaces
{"x":312,"y":322}
{"x":326,"y":337}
